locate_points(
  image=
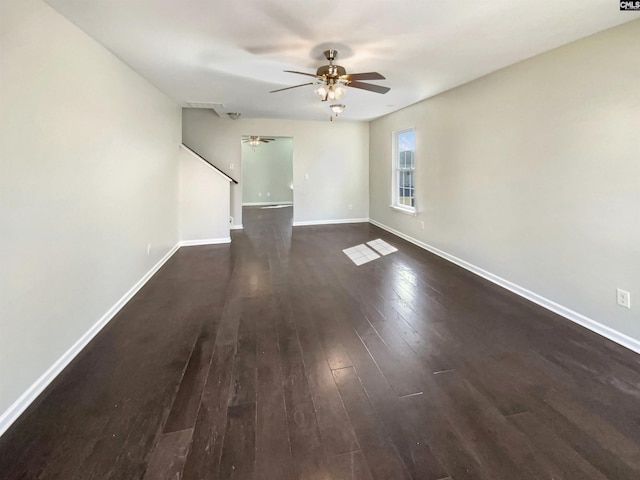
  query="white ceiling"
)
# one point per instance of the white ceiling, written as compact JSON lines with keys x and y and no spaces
{"x":234,"y":52}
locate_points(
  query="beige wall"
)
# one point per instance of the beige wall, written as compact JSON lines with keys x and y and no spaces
{"x":204,"y":201}
{"x":335,"y":155}
{"x":533,"y":174}
{"x":88,"y":178}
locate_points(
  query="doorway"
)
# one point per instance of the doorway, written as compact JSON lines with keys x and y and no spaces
{"x":267,"y":173}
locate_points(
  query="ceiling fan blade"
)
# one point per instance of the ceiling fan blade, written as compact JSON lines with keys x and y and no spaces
{"x":304,"y":73}
{"x":363,"y":76}
{"x":268,"y":139}
{"x":289,"y":88}
{"x":370,"y":87}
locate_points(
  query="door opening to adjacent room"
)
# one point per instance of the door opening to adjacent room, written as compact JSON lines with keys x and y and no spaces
{"x":267,"y":173}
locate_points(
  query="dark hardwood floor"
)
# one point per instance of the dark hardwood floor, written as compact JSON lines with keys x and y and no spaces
{"x":276,"y":358}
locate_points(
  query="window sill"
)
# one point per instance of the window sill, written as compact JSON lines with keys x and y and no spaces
{"x":407,"y":211}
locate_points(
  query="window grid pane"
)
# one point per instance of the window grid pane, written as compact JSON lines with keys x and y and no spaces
{"x":404,"y":166}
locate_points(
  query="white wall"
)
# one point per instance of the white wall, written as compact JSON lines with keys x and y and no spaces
{"x":204,"y":201}
{"x":533,"y":174}
{"x":88,"y":178}
{"x":267,"y":172}
{"x":335,"y":155}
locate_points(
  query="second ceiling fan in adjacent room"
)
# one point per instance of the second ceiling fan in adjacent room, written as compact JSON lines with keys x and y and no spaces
{"x":256,"y":140}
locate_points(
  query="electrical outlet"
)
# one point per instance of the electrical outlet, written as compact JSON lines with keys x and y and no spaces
{"x":231,"y":166}
{"x":624,"y":298}
{"x":306,"y":176}
{"x":268,"y":194}
{"x":259,"y":194}
{"x":422,"y":224}
{"x":148,"y":249}
{"x":350,"y":207}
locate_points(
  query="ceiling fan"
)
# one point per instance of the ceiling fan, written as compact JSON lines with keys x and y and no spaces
{"x":332,"y":79}
{"x":255,"y":140}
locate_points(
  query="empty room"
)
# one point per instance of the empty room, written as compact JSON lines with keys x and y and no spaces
{"x":269,"y":240}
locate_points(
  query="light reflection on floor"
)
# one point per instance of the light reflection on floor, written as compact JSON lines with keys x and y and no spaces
{"x":361,"y":254}
{"x":382,"y":247}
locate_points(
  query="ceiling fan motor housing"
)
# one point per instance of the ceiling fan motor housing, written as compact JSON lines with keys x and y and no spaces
{"x":331,"y":71}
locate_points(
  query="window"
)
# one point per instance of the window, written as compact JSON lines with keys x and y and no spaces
{"x":404,"y":142}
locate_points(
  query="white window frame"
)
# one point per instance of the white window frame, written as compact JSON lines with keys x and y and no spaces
{"x":395,"y":175}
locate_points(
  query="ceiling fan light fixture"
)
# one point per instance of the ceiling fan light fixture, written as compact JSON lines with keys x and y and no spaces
{"x":337,"y":108}
{"x":322,"y":91}
{"x":254,"y":141}
{"x":331,"y":91}
{"x":338,"y":91}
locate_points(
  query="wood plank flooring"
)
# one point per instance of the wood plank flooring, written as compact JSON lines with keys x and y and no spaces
{"x":276,"y":358}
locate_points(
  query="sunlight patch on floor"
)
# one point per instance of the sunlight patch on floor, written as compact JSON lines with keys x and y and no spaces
{"x":360,"y":254}
{"x":382,"y":247}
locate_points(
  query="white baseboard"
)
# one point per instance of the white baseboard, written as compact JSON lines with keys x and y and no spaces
{"x":330,"y":222}
{"x":205,"y":241}
{"x":607,"y":332}
{"x":237,"y":227}
{"x":259,"y":204}
{"x":21,"y":404}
